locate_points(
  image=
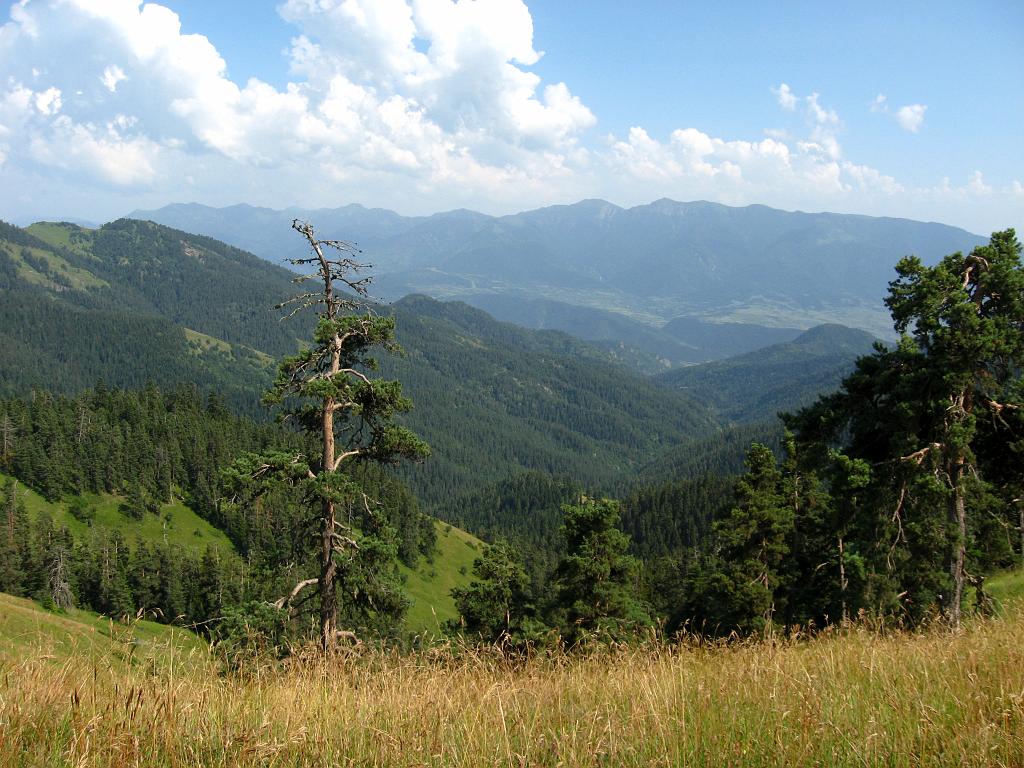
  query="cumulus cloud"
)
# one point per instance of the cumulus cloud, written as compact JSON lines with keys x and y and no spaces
{"x":911,"y":117}
{"x":111,"y":76}
{"x":411,"y":104}
{"x":434,"y":90}
{"x":824,"y":123}
{"x":787,"y":99}
{"x":48,"y":102}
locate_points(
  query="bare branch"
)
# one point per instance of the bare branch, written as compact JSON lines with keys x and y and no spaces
{"x":353,"y":372}
{"x":346,"y":540}
{"x":918,"y":456}
{"x":347,"y":635}
{"x":282,"y":602}
{"x":346,"y":455}
{"x":898,"y":519}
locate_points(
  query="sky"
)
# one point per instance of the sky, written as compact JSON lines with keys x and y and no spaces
{"x":888,"y":109}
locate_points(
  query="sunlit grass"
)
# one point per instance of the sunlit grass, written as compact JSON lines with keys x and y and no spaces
{"x":859,"y":697}
{"x":429,"y":585}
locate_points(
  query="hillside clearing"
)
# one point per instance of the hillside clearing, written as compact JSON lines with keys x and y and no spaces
{"x":176,"y":523}
{"x":429,"y":585}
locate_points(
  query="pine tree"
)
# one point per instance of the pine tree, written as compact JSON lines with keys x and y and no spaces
{"x":967,"y":317}
{"x":595,"y":582}
{"x":496,"y":606}
{"x":935,"y":423}
{"x":352,"y":416}
{"x":13,"y":530}
{"x":739,"y":587}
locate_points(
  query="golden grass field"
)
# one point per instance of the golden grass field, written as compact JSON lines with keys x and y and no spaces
{"x":858,"y":697}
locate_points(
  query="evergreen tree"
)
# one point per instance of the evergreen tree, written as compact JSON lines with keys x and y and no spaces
{"x":739,"y":585}
{"x":933,"y":424}
{"x":352,"y":415}
{"x":497,"y":605}
{"x":595,"y":582}
{"x":13,"y":531}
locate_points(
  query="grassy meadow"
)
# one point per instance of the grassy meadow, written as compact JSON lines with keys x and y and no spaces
{"x":857,"y":697}
{"x":429,"y":585}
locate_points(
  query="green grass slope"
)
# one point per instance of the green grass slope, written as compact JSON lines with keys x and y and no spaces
{"x":1006,"y":587}
{"x":429,"y":585}
{"x":28,"y":629}
{"x":176,"y":523}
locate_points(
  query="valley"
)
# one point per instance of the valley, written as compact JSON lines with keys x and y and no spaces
{"x":135,"y":527}
{"x":466,"y":383}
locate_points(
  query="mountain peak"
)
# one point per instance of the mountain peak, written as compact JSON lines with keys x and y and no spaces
{"x":833,"y":337}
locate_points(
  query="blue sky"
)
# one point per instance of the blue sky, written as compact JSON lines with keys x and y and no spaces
{"x":901,"y":109}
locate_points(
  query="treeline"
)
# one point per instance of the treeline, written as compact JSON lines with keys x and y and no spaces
{"x":104,"y":572}
{"x":148,"y":447}
{"x":895,"y":496}
{"x":661,"y":521}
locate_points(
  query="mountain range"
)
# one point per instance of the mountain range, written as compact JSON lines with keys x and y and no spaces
{"x":134,"y":301}
{"x":652,"y":263}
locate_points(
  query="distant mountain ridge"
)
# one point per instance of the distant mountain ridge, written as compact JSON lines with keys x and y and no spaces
{"x":755,"y":386}
{"x":652,"y":262}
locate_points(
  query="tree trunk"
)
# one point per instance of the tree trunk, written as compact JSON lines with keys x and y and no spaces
{"x":328,"y":593}
{"x":843,"y":583}
{"x":958,"y":514}
{"x":328,"y":568}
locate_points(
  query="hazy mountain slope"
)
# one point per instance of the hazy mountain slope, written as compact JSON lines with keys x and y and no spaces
{"x":637,"y":345}
{"x":755,"y":386}
{"x":493,"y":399}
{"x":718,"y":340}
{"x":652,"y":262}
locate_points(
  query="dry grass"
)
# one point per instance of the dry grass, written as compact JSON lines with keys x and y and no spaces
{"x":861,"y":698}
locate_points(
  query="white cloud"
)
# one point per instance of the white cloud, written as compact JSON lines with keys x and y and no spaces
{"x":911,"y":117}
{"x":366,"y":98}
{"x":112,"y":75}
{"x":96,"y":151}
{"x":411,"y":104}
{"x":819,"y":114}
{"x":787,"y":99}
{"x":48,"y":102}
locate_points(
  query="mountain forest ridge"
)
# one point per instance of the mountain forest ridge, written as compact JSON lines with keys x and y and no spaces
{"x":510,"y":412}
{"x":134,"y":302}
{"x":613,"y":507}
{"x":650,"y":263}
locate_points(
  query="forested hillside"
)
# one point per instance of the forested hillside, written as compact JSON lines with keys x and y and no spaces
{"x":567,"y":461}
{"x":132,"y":303}
{"x":493,"y":399}
{"x":125,"y":462}
{"x":117,"y":304}
{"x":783,"y":377}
